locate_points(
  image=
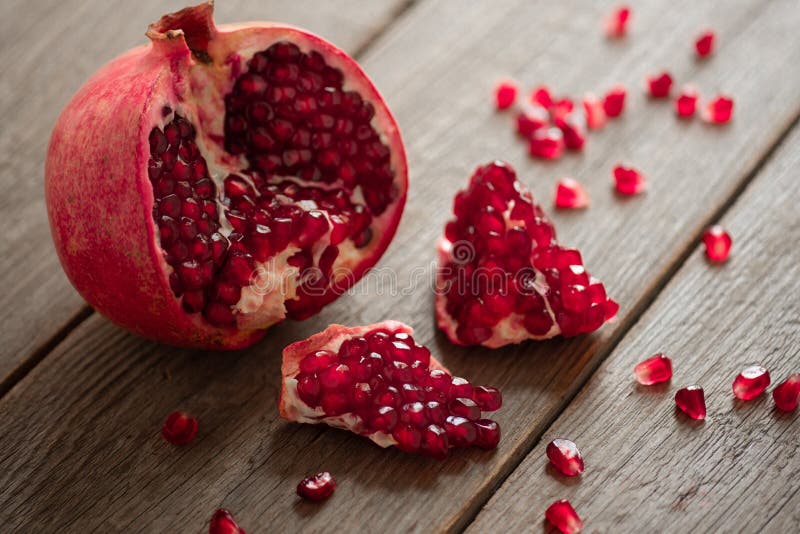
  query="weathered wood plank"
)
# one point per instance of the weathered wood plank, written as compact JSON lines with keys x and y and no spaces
{"x":649,"y":466}
{"x":85,"y":422}
{"x":47,"y":51}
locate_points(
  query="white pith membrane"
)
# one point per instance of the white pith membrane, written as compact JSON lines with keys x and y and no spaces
{"x":262,"y":302}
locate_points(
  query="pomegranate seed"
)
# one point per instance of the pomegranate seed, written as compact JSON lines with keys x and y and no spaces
{"x":434,"y":442}
{"x":616,"y":24}
{"x":659,"y":85}
{"x":542,"y":96}
{"x":222,"y":522}
{"x":465,"y":408}
{"x":570,"y":194}
{"x":595,"y":114}
{"x":487,"y":398}
{"x":751,"y":382}
{"x":686,"y":103}
{"x":317,"y":488}
{"x":565,"y":456}
{"x":719,"y":110}
{"x":653,"y":370}
{"x":718,"y":243}
{"x":787,"y":393}
{"x":505,"y":94}
{"x":628,"y":181}
{"x":531,"y":119}
{"x":692,"y":402}
{"x":573,"y":127}
{"x":562,"y":515}
{"x":547,"y":143}
{"x":179,"y":428}
{"x":488,"y":434}
{"x":614,"y":101}
{"x":705,"y":43}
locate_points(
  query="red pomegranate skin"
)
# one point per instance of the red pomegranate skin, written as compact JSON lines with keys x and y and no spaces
{"x":99,"y":198}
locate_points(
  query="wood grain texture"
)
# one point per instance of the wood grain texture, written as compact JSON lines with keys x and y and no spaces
{"x":48,"y":49}
{"x":85,"y":421}
{"x":649,"y":467}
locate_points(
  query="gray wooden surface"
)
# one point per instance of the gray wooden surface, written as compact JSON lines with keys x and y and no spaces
{"x":79,"y":443}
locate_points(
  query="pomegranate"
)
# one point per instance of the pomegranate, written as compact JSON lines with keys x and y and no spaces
{"x":220,"y":179}
{"x":502,"y":277}
{"x":378,"y":382}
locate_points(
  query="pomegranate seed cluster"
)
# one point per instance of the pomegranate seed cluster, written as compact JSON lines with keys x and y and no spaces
{"x":504,"y":247}
{"x":384,"y":378}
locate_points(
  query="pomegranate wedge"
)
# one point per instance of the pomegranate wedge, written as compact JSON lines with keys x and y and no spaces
{"x":220,"y":179}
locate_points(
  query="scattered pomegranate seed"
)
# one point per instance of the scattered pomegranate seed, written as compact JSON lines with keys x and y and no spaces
{"x":546,"y":143}
{"x":616,"y":24}
{"x":653,"y":370}
{"x":179,"y":428}
{"x":573,"y":128}
{"x":565,"y":456}
{"x":541,"y":95}
{"x":532,"y":118}
{"x":751,"y":382}
{"x":222,"y":522}
{"x":686,"y":103}
{"x":659,"y":85}
{"x":505,"y":94}
{"x":570,"y":194}
{"x":691,"y":401}
{"x":317,"y":488}
{"x":628,"y":180}
{"x":562,"y":515}
{"x":595,"y":114}
{"x":718,"y":243}
{"x":705,"y":43}
{"x":787,"y":393}
{"x":614,"y":101}
{"x":719,"y":110}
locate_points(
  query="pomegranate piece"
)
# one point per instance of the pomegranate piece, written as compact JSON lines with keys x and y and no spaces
{"x":751,"y":382}
{"x":787,"y":393}
{"x":546,"y":143}
{"x":595,"y":113}
{"x":505,"y":94}
{"x":719,"y":110}
{"x":222,"y":522}
{"x":704,"y":44}
{"x":659,"y":85}
{"x":563,"y":516}
{"x":502,"y":275}
{"x":686,"y":103}
{"x":565,"y":456}
{"x":317,"y":487}
{"x":616,"y":24}
{"x":179,"y":428}
{"x":718,"y":243}
{"x":628,"y":181}
{"x":570,"y":194}
{"x":386,"y":387}
{"x":691,"y":401}
{"x":653,"y":370}
{"x":614,"y":101}
{"x":245,"y":155}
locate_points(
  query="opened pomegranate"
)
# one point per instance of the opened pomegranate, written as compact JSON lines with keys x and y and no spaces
{"x":502,"y":277}
{"x":378,"y":382}
{"x":220,"y":179}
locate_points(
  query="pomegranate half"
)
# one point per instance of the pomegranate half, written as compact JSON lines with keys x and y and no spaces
{"x":220,"y":179}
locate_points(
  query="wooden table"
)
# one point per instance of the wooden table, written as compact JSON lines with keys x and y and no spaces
{"x":82,"y":401}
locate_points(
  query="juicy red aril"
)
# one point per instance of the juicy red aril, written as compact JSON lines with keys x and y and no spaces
{"x":179,"y":428}
{"x":616,"y":24}
{"x":565,"y":456}
{"x":530,"y":119}
{"x":751,"y":382}
{"x":595,"y":114}
{"x":570,"y":194}
{"x":718,"y":243}
{"x":659,"y":85}
{"x":614,"y":101}
{"x":719,"y":110}
{"x":704,"y":44}
{"x":487,"y":398}
{"x":628,"y":181}
{"x":488,"y":434}
{"x":505,"y":94}
{"x":542,"y":96}
{"x":573,"y":128}
{"x":787,"y":393}
{"x":653,"y":370}
{"x":562,"y":516}
{"x":546,"y":143}
{"x":686,"y":103}
{"x":317,"y":487}
{"x":222,"y":522}
{"x":691,"y":401}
